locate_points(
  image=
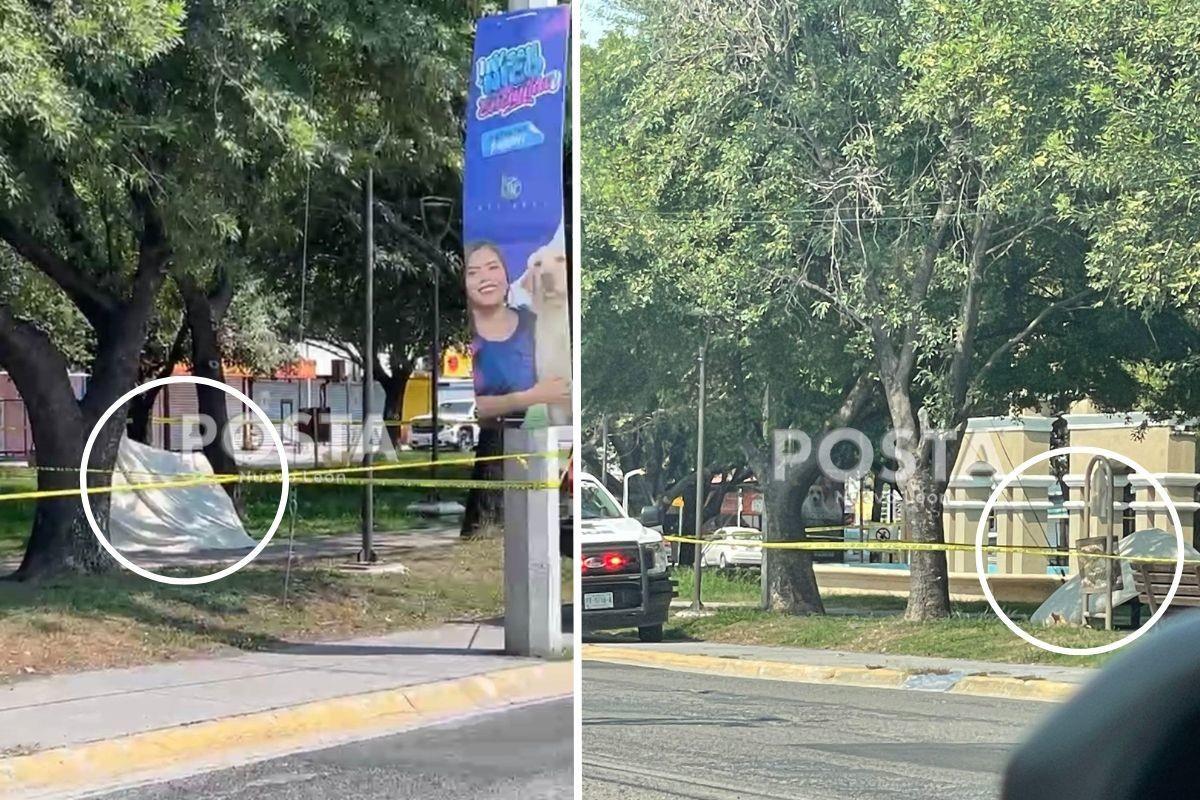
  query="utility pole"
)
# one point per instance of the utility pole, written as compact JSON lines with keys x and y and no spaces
{"x":697,"y":606}
{"x":435,"y":364}
{"x":766,"y":491}
{"x":367,"y":554}
{"x":442,"y":210}
{"x":604,"y":449}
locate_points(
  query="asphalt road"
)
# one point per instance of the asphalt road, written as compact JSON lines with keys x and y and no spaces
{"x":511,"y":755}
{"x":661,"y":735}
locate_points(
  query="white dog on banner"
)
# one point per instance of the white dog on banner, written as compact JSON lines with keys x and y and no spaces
{"x":545,"y":282}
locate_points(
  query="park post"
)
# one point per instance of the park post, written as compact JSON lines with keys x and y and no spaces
{"x":697,"y":555}
{"x":532,"y":565}
{"x":367,"y":555}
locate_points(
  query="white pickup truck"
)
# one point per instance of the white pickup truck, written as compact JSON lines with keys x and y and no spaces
{"x":625,"y":573}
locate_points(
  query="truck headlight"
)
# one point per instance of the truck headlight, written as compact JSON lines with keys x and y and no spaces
{"x":656,"y":559}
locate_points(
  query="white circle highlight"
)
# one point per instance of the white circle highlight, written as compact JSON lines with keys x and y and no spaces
{"x":87,"y":506}
{"x":981,"y":532}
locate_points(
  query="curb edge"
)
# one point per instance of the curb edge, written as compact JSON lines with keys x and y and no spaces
{"x":1012,"y":688}
{"x":116,"y":762}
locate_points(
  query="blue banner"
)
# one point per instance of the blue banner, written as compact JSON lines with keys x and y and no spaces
{"x":515,"y":248}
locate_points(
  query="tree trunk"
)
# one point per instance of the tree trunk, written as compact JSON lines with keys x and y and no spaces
{"x":141,"y":408}
{"x":141,"y":416}
{"x":929,"y":581}
{"x":684,"y":488}
{"x":485,"y":507}
{"x":202,"y":321}
{"x":60,"y":539}
{"x":791,"y":582}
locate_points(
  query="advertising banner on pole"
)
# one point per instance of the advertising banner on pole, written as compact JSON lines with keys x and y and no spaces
{"x":513,"y":218}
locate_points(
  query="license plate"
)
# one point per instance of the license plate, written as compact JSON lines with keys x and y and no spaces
{"x":597,"y":600}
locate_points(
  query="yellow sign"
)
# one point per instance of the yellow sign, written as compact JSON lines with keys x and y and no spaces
{"x":456,"y":364}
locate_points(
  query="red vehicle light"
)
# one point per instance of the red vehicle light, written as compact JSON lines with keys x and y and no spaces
{"x":608,"y":562}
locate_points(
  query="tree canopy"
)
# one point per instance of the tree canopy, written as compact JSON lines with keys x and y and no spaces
{"x":975,"y":207}
{"x":148,"y":144}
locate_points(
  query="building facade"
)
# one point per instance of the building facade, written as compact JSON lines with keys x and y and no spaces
{"x":1044,"y":506}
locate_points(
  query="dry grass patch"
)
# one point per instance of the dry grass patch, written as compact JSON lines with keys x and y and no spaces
{"x":121,"y":620}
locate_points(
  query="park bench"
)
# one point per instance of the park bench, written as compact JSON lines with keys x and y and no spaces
{"x":1154,"y":580}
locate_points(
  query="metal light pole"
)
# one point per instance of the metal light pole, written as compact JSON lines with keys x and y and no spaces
{"x":766,"y":488}
{"x":697,"y":606}
{"x":367,"y":554}
{"x":625,"y":487}
{"x":443,"y":207}
{"x":604,"y":449}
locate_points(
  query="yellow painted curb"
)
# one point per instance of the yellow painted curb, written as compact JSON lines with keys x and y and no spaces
{"x":98,"y":764}
{"x":871,"y":677}
{"x":1016,"y":688}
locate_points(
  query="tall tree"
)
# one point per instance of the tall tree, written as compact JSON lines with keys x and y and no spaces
{"x":664,"y":271}
{"x":916,"y":177}
{"x":130,"y":136}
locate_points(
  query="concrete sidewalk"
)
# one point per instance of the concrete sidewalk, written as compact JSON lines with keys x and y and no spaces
{"x":89,"y":706}
{"x":959,"y":676}
{"x":70,"y":733}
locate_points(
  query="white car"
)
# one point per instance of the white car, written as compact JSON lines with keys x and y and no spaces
{"x":625,"y":575}
{"x":458,"y":427}
{"x":725,"y":552}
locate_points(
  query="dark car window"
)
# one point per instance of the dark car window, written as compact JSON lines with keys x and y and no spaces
{"x":597,"y":505}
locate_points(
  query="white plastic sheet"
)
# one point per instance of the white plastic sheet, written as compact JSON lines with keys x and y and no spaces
{"x":175,"y":520}
{"x":1064,"y":605}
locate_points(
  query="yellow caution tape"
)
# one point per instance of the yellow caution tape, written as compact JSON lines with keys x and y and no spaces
{"x":327,"y":420}
{"x":313,"y":476}
{"x":436,"y":483}
{"x":929,"y":547}
{"x":441,"y":462}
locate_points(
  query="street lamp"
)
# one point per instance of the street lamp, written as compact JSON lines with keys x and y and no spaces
{"x":697,"y":606}
{"x":367,"y":554}
{"x":625,"y":487}
{"x":435,"y":216}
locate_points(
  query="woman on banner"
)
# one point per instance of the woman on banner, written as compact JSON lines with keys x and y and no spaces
{"x":503,"y":342}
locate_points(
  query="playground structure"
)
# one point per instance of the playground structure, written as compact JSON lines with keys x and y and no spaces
{"x":1039,"y":509}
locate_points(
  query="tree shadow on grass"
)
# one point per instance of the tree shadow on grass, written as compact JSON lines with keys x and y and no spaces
{"x":213,"y":613}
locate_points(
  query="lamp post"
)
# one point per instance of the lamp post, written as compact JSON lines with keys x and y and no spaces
{"x":435,"y":216}
{"x":625,"y":487}
{"x":697,"y":606}
{"x":367,"y":554}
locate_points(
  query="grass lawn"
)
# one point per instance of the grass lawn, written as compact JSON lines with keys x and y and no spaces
{"x":121,"y":620}
{"x":16,"y":516}
{"x":874,"y":624}
{"x":720,"y":585}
